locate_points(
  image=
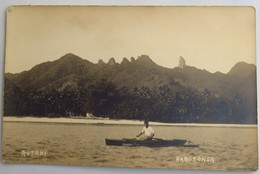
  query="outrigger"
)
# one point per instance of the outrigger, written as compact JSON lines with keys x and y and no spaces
{"x":155,"y":142}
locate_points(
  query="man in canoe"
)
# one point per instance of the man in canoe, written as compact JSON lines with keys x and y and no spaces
{"x":147,"y":131}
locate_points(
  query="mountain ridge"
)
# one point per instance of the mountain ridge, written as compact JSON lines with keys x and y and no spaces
{"x":141,"y":59}
{"x":71,"y":73}
{"x":141,"y":72}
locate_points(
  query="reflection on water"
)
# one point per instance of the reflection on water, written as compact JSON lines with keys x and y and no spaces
{"x":83,"y":144}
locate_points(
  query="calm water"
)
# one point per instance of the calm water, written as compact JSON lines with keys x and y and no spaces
{"x":83,"y":144}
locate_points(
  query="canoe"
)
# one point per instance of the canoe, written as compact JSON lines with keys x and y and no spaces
{"x":155,"y":142}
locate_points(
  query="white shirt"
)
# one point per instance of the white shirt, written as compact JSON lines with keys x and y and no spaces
{"x":149,"y":132}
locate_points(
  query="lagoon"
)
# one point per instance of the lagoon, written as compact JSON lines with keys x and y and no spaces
{"x":228,"y":147}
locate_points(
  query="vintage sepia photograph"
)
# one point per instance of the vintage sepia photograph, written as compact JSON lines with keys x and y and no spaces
{"x":168,"y":87}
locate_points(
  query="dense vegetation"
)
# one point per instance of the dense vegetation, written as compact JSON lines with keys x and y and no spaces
{"x":168,"y":101}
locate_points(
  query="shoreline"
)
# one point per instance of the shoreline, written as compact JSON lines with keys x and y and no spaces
{"x":116,"y":122}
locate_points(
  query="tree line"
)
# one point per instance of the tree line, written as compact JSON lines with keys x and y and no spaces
{"x":103,"y":99}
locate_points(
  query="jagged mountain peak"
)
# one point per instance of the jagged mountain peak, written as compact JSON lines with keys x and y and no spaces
{"x":125,"y":61}
{"x":111,"y":61}
{"x":101,"y":62}
{"x":144,"y":58}
{"x":182,"y":63}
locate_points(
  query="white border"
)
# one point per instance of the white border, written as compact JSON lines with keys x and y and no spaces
{"x":43,"y":169}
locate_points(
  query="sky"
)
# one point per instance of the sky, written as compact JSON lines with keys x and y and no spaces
{"x":211,"y":38}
